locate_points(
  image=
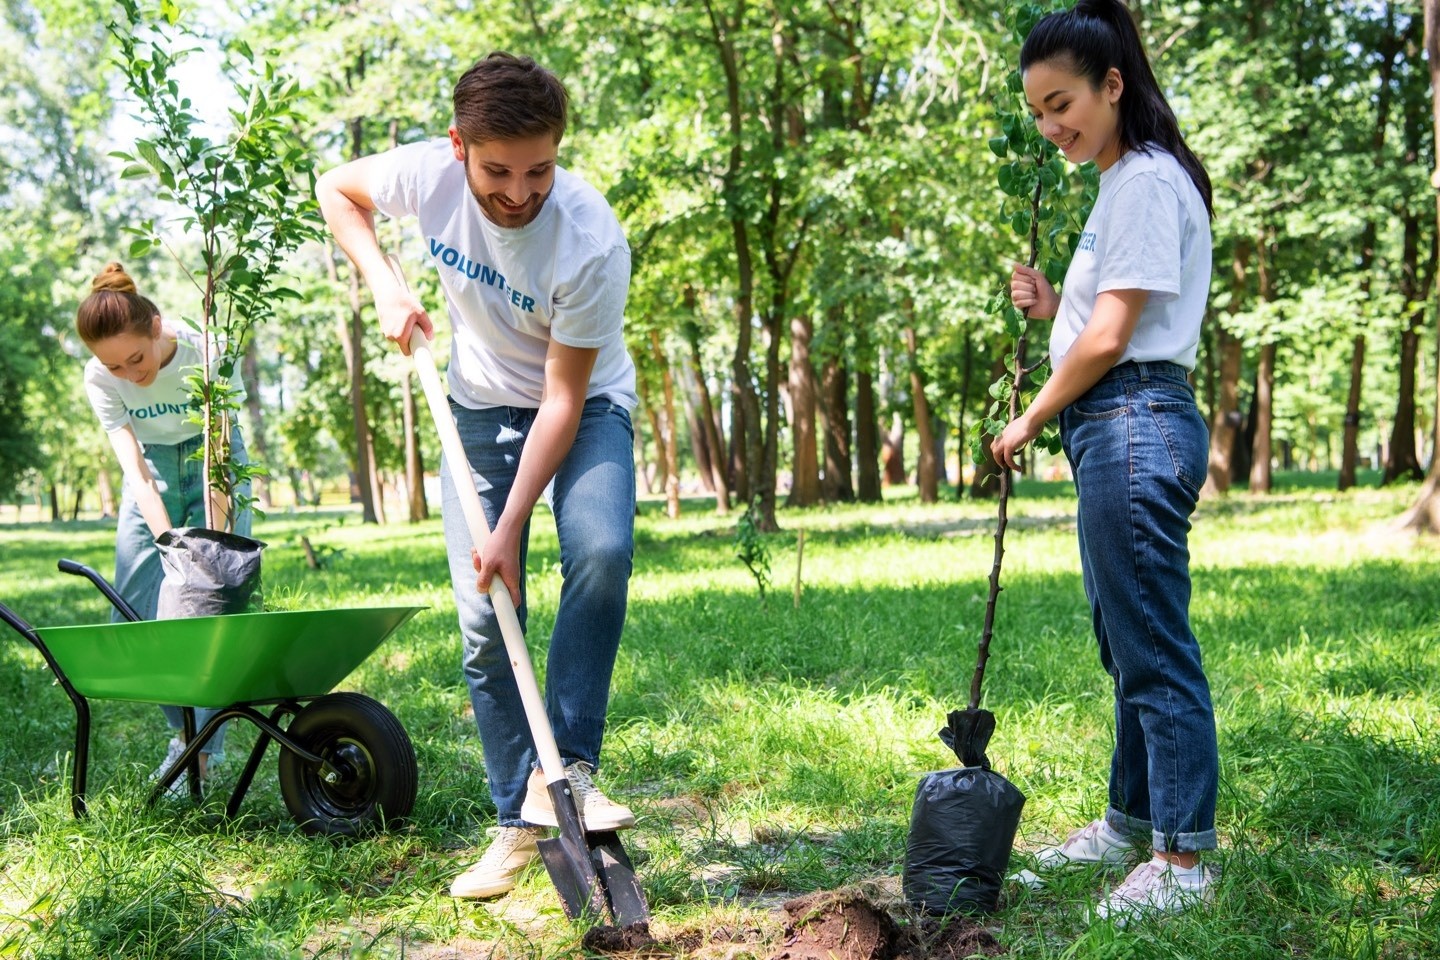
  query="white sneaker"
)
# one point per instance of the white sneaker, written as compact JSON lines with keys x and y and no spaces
{"x":597,"y":811}
{"x":1096,"y":842}
{"x":510,"y":852}
{"x":180,"y":789}
{"x":1156,"y":887}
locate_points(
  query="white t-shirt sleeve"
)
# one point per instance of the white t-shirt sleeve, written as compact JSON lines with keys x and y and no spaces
{"x":589,"y":310}
{"x":1142,"y":229}
{"x":109,"y":407}
{"x":399,"y":183}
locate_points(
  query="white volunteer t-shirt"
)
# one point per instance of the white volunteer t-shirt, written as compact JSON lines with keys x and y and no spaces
{"x":510,"y":291}
{"x":159,"y":413}
{"x":1148,"y":230}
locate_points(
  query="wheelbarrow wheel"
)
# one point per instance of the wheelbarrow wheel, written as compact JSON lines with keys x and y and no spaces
{"x":372,"y":778}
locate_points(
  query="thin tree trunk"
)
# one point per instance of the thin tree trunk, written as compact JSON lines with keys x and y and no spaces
{"x":1424,"y":515}
{"x":414,"y":465}
{"x":699,"y":439}
{"x":1384,"y":96}
{"x":1262,"y":405}
{"x":1227,"y":408}
{"x":1262,"y":449}
{"x":926,"y":475}
{"x":892,"y":451}
{"x":967,"y":371}
{"x":1350,"y":452}
{"x":714,"y":437}
{"x":250,"y":366}
{"x":672,"y":443}
{"x":350,"y":330}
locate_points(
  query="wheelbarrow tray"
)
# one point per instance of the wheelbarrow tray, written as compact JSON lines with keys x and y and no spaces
{"x":219,"y":661}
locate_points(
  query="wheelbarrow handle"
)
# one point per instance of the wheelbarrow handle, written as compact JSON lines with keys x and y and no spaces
{"x":423,"y":357}
{"x":78,"y":569}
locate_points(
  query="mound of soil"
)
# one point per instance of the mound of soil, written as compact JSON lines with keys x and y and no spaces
{"x":635,"y":938}
{"x":847,"y":926}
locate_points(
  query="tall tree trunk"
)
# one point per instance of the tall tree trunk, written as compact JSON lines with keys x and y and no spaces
{"x":745,"y":427}
{"x":1403,"y":462}
{"x":672,"y":441}
{"x":838,"y":484}
{"x":1261,"y":448}
{"x":351,"y":332}
{"x":892,"y":451}
{"x":414,"y":465}
{"x":1389,"y":47}
{"x":805,"y":488}
{"x":652,"y":469}
{"x":699,"y":438}
{"x":1227,"y":407}
{"x":1262,"y":405}
{"x":967,"y":372}
{"x":250,"y":368}
{"x":867,"y":438}
{"x":927,"y":472}
{"x":709,"y":417}
{"x":1350,"y":452}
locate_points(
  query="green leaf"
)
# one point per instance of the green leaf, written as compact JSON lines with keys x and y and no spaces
{"x":999,"y":146}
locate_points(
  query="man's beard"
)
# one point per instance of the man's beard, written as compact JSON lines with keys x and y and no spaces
{"x":506,"y":216}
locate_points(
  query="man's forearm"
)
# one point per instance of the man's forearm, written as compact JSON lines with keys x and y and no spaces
{"x":547,"y":446}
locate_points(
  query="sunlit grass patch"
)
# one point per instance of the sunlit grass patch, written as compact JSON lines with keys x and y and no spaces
{"x":772,"y":750}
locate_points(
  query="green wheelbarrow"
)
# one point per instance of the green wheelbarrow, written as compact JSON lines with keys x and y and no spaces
{"x":346,"y":763}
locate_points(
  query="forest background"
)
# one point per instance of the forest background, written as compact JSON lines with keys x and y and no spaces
{"x":810,"y":191}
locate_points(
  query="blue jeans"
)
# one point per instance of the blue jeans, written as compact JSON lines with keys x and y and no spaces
{"x":1138,"y":448}
{"x":138,"y":572}
{"x":593,"y":499}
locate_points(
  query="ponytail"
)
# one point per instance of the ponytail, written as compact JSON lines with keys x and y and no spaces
{"x":1093,"y":37}
{"x":114,"y":307}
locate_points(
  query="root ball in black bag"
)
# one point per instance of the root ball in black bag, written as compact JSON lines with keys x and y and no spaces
{"x":961,"y":830}
{"x":208,"y":573}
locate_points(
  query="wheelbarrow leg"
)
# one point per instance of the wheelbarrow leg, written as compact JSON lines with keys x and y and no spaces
{"x":187,"y":729}
{"x":82,"y":708}
{"x":82,"y":756}
{"x":252,"y":765}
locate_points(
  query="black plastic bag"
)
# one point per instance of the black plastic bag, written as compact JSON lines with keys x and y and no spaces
{"x":961,"y":830}
{"x":208,"y":573}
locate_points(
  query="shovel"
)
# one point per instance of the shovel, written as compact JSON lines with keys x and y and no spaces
{"x":591,"y":872}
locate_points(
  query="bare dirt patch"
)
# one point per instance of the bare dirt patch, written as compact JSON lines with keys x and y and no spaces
{"x":846,"y":925}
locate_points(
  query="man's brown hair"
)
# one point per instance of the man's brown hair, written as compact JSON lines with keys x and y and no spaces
{"x":505,"y":97}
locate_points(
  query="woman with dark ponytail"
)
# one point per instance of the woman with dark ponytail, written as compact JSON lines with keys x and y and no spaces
{"x":1126,"y":332}
{"x":136,"y":383}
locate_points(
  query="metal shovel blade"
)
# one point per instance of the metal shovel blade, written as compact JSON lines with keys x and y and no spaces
{"x":567,"y":859}
{"x":617,"y":878}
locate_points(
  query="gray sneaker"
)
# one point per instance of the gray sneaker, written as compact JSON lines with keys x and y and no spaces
{"x":510,"y":852}
{"x":1156,"y":887}
{"x":180,"y":789}
{"x":597,"y":811}
{"x":1096,"y":842}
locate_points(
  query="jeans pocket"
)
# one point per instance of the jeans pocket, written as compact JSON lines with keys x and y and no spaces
{"x":1186,"y":437}
{"x":1104,"y":408}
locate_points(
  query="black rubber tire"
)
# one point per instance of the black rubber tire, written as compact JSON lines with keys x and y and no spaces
{"x":363,"y":740}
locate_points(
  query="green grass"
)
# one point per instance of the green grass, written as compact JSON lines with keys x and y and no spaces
{"x":773,"y":751}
